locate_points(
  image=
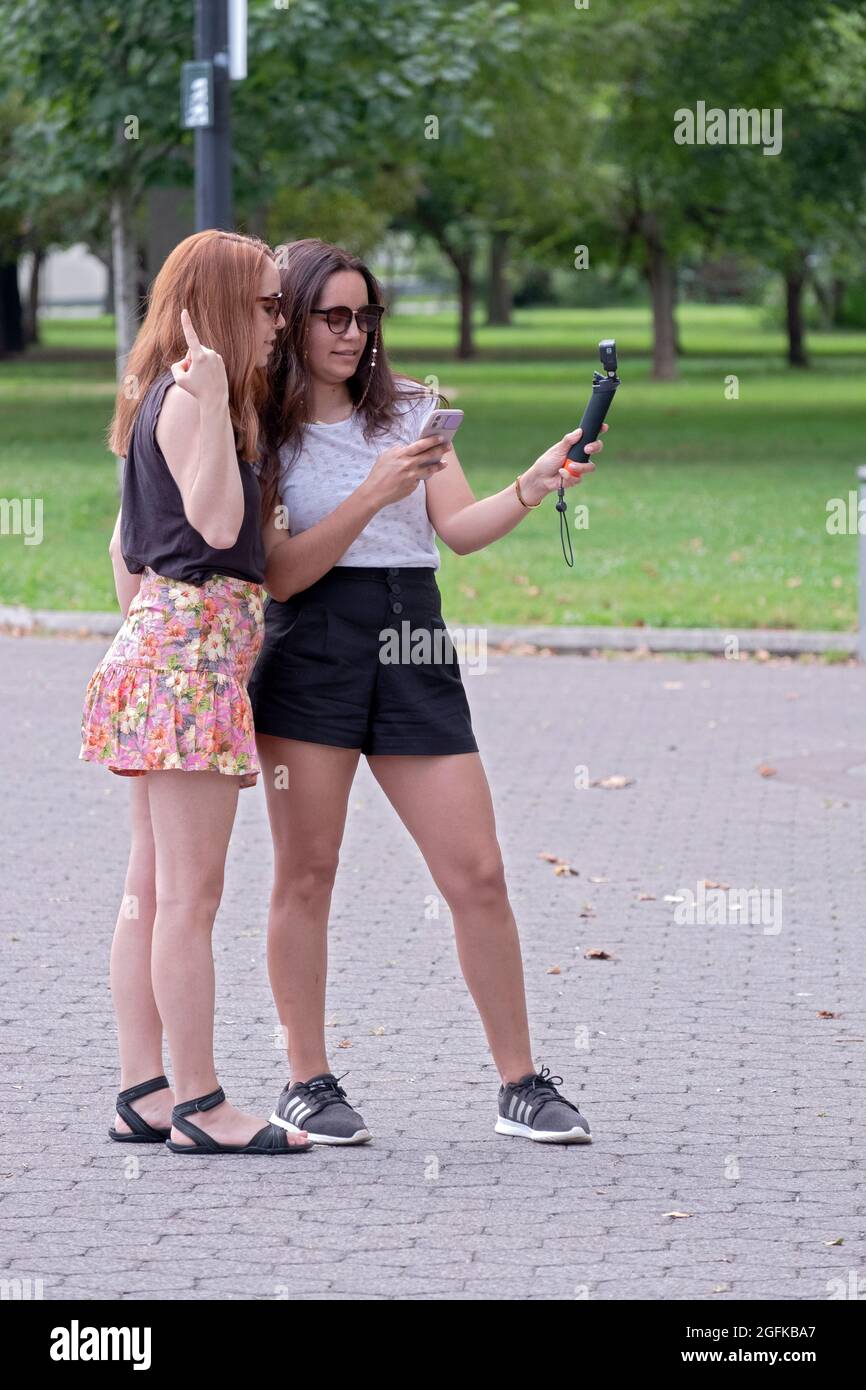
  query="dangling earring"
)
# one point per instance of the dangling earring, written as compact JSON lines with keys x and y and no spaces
{"x":373,"y":355}
{"x":303,"y":397}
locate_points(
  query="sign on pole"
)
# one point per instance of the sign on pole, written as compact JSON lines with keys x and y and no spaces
{"x":196,"y":96}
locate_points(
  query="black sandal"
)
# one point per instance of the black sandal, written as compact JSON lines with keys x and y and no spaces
{"x":142,"y":1132}
{"x":272,"y":1139}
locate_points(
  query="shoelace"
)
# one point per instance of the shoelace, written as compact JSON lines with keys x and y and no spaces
{"x":544,"y":1082}
{"x":317,"y":1089}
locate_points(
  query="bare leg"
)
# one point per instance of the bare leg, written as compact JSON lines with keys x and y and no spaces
{"x":445,"y":804}
{"x":307,"y":821}
{"x":192,"y":814}
{"x":139,"y":1026}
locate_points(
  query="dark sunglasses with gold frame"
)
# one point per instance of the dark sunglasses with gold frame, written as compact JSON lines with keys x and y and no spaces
{"x":339,"y":317}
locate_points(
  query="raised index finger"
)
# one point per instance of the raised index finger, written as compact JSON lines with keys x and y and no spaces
{"x":188,"y":331}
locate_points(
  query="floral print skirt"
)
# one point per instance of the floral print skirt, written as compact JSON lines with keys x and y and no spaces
{"x":171,"y":691}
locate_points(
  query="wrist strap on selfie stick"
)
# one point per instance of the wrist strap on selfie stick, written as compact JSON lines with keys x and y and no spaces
{"x":564,"y":533}
{"x":604,"y":386}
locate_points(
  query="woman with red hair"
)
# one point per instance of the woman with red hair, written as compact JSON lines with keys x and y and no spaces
{"x":168,"y":703}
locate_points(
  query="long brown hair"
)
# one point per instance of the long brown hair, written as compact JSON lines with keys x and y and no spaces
{"x":215,"y":276}
{"x":304,"y":268}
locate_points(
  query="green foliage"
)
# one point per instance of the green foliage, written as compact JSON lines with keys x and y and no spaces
{"x":703,"y":511}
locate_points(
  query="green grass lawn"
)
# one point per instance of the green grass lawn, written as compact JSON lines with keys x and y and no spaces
{"x":703,"y":510}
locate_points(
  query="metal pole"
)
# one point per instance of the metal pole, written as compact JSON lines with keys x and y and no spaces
{"x":213,"y":153}
{"x":861,"y":532}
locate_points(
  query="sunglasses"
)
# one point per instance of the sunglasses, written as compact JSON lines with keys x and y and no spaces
{"x":339,"y":318}
{"x":272,"y":303}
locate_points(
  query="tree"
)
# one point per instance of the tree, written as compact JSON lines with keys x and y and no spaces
{"x":101,"y":81}
{"x":395,"y":97}
{"x":810,"y":204}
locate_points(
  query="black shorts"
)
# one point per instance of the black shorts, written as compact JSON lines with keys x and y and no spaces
{"x":347,"y":662}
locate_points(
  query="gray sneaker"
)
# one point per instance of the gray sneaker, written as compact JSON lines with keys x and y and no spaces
{"x":320,"y":1107}
{"x":532,"y":1108}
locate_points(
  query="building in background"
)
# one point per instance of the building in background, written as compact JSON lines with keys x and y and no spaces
{"x":73,"y":283}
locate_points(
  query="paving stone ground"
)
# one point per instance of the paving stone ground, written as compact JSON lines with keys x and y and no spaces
{"x":712,"y":1086}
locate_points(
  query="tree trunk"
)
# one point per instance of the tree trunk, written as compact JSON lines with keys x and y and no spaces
{"x":824,"y":297}
{"x":125,"y":266}
{"x":125,"y":278}
{"x":678,"y":346}
{"x":499,"y":289}
{"x":11,"y":318}
{"x":795,"y":279}
{"x":462,"y":262}
{"x":108,"y":301}
{"x":466,"y":347}
{"x":830,"y":299}
{"x":459,"y":253}
{"x":662,"y":281}
{"x":31,"y":313}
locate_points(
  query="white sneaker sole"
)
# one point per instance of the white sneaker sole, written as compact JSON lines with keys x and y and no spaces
{"x":541,"y":1136}
{"x":361,"y":1136}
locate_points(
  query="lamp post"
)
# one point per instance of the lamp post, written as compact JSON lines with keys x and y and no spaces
{"x":220,"y":55}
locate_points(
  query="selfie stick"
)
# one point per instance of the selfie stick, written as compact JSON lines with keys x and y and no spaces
{"x":604,"y":387}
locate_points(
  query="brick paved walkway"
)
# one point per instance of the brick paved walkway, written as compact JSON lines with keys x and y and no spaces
{"x":712,"y":1086}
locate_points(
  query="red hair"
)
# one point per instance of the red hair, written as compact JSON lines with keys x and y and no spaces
{"x":215,"y":276}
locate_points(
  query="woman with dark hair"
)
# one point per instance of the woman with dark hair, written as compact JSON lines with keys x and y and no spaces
{"x":362,"y":503}
{"x":168,"y":703}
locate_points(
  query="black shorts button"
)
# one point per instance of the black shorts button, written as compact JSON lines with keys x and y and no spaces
{"x":396,"y":608}
{"x":394,"y":588}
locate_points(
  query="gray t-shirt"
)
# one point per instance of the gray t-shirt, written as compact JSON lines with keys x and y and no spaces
{"x":334,"y":461}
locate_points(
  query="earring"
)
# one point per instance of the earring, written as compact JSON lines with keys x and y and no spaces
{"x":303,"y":398}
{"x":371,"y":369}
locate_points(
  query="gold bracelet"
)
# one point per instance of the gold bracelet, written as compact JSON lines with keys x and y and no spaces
{"x":530,"y":506}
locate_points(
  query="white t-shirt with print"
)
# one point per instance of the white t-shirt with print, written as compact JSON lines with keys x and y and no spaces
{"x":334,"y":460}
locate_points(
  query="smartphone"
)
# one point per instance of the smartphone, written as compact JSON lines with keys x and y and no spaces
{"x":443,"y":422}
